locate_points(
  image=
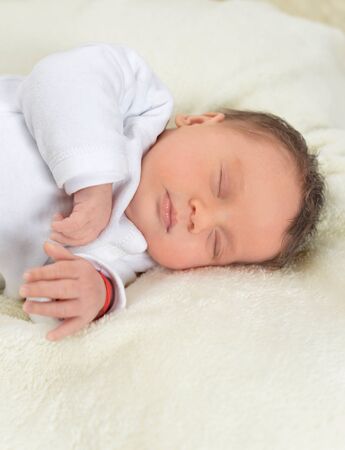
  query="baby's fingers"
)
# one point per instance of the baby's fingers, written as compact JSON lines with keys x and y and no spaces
{"x":63,"y":289}
{"x":70,"y":224}
{"x":68,"y":327}
{"x":62,"y":239}
{"x":75,"y":222}
{"x":60,"y":269}
{"x":66,"y":231}
{"x":58,"y":216}
{"x":56,"y":308}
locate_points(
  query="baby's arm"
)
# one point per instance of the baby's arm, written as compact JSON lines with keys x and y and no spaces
{"x":71,"y":102}
{"x":75,"y":281}
{"x":75,"y":104}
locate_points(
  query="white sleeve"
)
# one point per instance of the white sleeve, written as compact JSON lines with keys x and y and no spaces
{"x":75,"y":102}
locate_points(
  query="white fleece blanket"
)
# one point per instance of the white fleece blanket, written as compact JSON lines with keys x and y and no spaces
{"x":212,"y":358}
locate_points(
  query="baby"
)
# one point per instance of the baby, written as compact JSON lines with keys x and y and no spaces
{"x":84,"y":135}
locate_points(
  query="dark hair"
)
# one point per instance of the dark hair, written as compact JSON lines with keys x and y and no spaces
{"x":303,"y":226}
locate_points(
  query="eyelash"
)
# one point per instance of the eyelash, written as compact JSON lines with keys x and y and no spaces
{"x":215,"y":244}
{"x":220,"y":181}
{"x":215,"y":239}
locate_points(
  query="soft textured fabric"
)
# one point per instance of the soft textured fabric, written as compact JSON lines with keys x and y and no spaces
{"x":331,"y":12}
{"x":81,"y":117}
{"x":212,"y":358}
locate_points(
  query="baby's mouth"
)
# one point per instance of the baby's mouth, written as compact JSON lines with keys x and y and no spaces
{"x":166,"y":212}
{"x":173,"y":215}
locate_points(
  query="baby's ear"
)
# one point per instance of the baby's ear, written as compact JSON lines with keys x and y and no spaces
{"x":208,"y":117}
{"x":181,"y":119}
{"x":185,"y":120}
{"x":212,"y":117}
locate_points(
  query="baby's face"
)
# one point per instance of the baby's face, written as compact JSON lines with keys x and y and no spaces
{"x":232,"y":195}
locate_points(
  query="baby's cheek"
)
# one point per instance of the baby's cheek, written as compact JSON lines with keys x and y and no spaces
{"x":160,"y":251}
{"x":173,"y":253}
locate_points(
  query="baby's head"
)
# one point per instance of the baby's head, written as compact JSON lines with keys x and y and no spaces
{"x":242,"y":186}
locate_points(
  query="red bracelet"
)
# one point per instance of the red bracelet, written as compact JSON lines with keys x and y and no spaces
{"x":109,"y":296}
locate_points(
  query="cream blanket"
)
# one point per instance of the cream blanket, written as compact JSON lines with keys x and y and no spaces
{"x":213,"y":358}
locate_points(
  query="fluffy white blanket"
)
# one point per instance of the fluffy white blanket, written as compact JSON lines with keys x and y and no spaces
{"x":213,"y":358}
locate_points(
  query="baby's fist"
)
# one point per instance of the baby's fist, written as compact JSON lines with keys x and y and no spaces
{"x":92,"y":207}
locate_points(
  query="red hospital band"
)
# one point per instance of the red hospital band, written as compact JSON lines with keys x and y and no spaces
{"x":109,"y":296}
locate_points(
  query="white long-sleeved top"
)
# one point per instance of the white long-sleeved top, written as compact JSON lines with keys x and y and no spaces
{"x":82,"y":117}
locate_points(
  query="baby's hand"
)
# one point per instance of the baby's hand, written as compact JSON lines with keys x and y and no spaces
{"x":92,"y":207}
{"x":73,"y":282}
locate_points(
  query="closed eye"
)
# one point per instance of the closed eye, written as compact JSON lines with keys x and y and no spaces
{"x":220,"y":181}
{"x":215,"y":253}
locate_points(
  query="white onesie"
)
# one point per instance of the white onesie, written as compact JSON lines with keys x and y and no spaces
{"x":82,"y":117}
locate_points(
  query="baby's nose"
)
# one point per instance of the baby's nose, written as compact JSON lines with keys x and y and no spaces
{"x":203,"y":217}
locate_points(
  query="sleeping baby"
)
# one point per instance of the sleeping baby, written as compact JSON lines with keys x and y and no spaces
{"x":96,"y":190}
